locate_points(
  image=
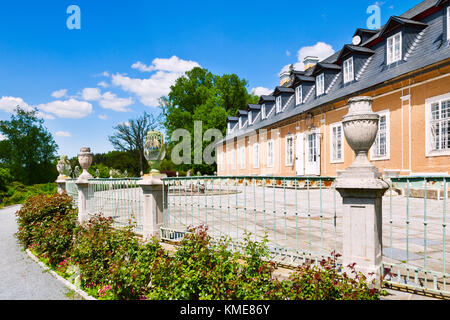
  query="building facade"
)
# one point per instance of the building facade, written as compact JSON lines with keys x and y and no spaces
{"x":404,"y":66}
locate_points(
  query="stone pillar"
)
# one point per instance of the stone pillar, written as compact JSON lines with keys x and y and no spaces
{"x":155,"y":201}
{"x":61,"y":185}
{"x":85,"y":159}
{"x":362,"y":189}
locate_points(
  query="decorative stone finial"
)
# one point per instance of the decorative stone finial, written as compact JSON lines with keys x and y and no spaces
{"x":85,"y":159}
{"x":154,"y":150}
{"x":63,"y":168}
{"x":360,"y":130}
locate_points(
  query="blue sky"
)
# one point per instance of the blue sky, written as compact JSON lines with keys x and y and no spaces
{"x":128,"y":53}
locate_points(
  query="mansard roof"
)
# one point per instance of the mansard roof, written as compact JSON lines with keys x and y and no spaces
{"x":424,"y":49}
{"x":263,"y":99}
{"x":325,"y":66}
{"x":253,"y":107}
{"x":399,"y":21}
{"x":280,"y":90}
{"x":349,"y":49}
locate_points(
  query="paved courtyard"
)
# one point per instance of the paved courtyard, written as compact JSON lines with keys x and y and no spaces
{"x":311,"y":220}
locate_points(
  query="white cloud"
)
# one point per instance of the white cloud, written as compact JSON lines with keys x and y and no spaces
{"x":102,"y":116}
{"x":261,"y":91}
{"x":103,"y":84}
{"x":107,"y":100}
{"x":173,"y":64}
{"x":320,"y":50}
{"x":63,"y":134}
{"x":9,"y":104}
{"x":91,"y":94}
{"x":72,"y":108}
{"x":150,"y":90}
{"x":59,"y":93}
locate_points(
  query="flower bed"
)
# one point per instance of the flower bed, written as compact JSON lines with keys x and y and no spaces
{"x":113,"y":264}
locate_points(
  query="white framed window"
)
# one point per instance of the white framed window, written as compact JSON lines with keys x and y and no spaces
{"x":394,"y":48}
{"x":278,"y":104}
{"x":256,"y":155}
{"x":240,"y":123}
{"x":250,"y":118}
{"x":263,"y":112}
{"x":337,"y":143}
{"x":438,"y":125}
{"x":298,"y":95}
{"x":242,"y":157}
{"x":349,"y":73}
{"x":289,"y":150}
{"x":448,"y":23}
{"x":270,"y":154}
{"x":320,"y":84}
{"x":233,"y":159}
{"x":381,"y":147}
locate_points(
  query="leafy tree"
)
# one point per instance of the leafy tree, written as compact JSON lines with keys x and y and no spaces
{"x":29,"y":151}
{"x":130,"y":136}
{"x":200,"y":95}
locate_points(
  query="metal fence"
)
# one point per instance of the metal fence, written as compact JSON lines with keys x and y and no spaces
{"x":290,"y":212}
{"x":120,"y":199}
{"x":72,"y":190}
{"x":300,"y":217}
{"x":415,"y":236}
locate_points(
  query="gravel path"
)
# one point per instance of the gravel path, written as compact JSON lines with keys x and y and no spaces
{"x":20,"y":277}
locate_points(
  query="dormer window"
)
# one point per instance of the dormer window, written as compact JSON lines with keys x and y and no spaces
{"x":263,"y":112}
{"x":250,"y":120}
{"x":394,"y":48}
{"x":278,"y":104}
{"x":240,"y":123}
{"x":349,"y":73}
{"x":298,"y":95}
{"x":320,"y":84}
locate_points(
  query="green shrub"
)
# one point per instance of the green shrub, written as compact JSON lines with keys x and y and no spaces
{"x":113,"y":263}
{"x":325,"y":282}
{"x":48,"y":223}
{"x":5,"y":178}
{"x":18,"y":193}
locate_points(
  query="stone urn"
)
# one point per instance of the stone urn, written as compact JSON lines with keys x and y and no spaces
{"x":85,"y":159}
{"x":360,"y":129}
{"x":63,"y":168}
{"x":154,"y":150}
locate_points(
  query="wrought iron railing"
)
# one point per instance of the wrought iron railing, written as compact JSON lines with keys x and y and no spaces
{"x":120,"y":199}
{"x":416,"y":240}
{"x":289,"y":211}
{"x":72,"y":190}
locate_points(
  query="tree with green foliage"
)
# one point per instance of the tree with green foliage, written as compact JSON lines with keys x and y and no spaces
{"x":200,"y":95}
{"x":28,"y":151}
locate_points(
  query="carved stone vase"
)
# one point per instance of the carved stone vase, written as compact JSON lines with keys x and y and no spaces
{"x":63,"y":168}
{"x":85,"y":158}
{"x":360,"y":130}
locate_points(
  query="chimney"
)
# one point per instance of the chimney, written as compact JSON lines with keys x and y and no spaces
{"x":285,"y":75}
{"x":310,"y":61}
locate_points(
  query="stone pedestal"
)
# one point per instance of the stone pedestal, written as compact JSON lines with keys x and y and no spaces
{"x":83,"y":187}
{"x":155,"y":201}
{"x":362,"y":190}
{"x":61,"y":184}
{"x":362,"y":224}
{"x":85,"y":159}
